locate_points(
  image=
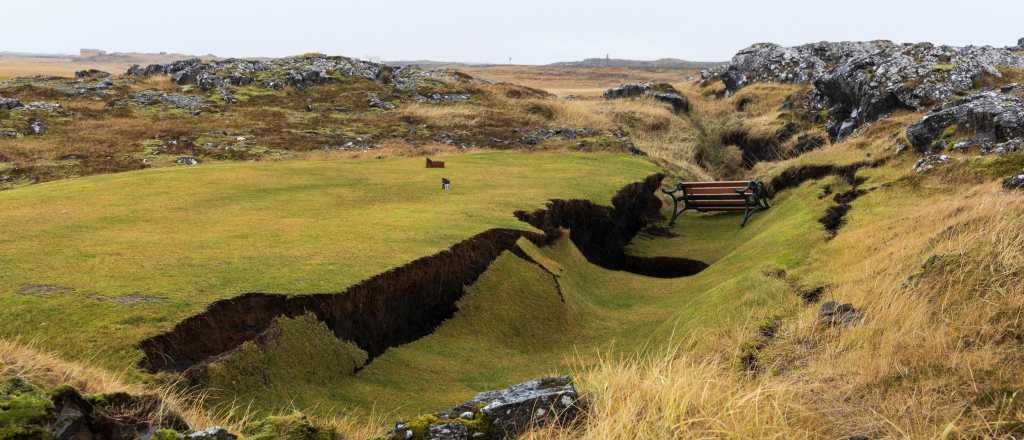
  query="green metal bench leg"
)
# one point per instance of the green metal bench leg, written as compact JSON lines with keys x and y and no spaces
{"x":675,"y":211}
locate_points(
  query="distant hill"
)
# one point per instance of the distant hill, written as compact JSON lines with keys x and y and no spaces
{"x":99,"y":56}
{"x":663,"y":63}
{"x":433,"y":63}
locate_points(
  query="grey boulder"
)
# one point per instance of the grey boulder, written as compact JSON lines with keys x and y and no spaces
{"x":36,"y":127}
{"x":374,"y":101}
{"x":660,"y":91}
{"x":1015,"y":181}
{"x":993,"y":116}
{"x":214,"y":433}
{"x":9,"y":103}
{"x":503,"y":414}
{"x":184,"y":102}
{"x":833,"y":314}
{"x":930,"y":162}
{"x":448,"y":431}
{"x":535,"y":403}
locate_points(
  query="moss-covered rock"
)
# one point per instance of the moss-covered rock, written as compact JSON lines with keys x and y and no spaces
{"x":501,"y":414}
{"x":291,"y":427}
{"x":28,"y":411}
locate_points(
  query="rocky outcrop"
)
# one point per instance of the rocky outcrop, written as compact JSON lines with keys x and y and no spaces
{"x":299,"y":72}
{"x":660,"y":91}
{"x":1015,"y":181}
{"x":990,"y":117}
{"x":499,"y":415}
{"x":859,"y":82}
{"x":91,"y":74}
{"x":442,"y":98}
{"x":9,"y":103}
{"x":42,"y":107}
{"x":184,"y":102}
{"x":930,"y":162}
{"x":540,"y":135}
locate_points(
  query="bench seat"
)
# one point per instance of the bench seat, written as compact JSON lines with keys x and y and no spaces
{"x":739,"y":196}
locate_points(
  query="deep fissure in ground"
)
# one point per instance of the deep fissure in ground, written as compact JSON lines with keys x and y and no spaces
{"x":409,"y":302}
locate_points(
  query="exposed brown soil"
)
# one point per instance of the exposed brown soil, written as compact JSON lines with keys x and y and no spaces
{"x":793,"y":177}
{"x":662,"y":267}
{"x":811,"y":296}
{"x":755,"y":149}
{"x":602,"y":233}
{"x":835,"y":216}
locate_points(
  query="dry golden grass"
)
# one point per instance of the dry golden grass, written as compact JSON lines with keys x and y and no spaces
{"x":66,"y":66}
{"x":931,"y":355}
{"x":29,"y":363}
{"x":11,"y":67}
{"x":675,"y":395}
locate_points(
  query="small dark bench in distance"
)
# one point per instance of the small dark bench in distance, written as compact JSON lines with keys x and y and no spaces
{"x":434,"y":163}
{"x":746,"y":196}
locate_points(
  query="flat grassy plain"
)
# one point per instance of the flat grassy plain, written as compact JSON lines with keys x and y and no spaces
{"x":14,"y":66}
{"x":579,"y":81}
{"x":92,"y":265}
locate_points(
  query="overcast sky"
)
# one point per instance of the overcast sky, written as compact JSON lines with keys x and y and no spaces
{"x":528,"y":31}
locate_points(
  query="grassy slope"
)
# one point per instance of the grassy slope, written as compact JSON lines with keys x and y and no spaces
{"x":189,"y":236}
{"x":512,"y":326}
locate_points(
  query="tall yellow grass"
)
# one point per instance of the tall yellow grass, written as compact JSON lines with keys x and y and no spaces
{"x":675,"y":395}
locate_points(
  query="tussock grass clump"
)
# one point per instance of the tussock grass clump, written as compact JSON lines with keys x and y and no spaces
{"x":29,"y":368}
{"x":27,"y":362}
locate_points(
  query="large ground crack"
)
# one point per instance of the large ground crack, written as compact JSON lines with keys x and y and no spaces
{"x":795,"y":176}
{"x":602,"y":233}
{"x":409,"y":302}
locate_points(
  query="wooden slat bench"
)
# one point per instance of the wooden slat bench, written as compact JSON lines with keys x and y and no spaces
{"x":739,"y":196}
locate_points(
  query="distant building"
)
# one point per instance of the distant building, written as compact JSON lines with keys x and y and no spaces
{"x":89,"y":53}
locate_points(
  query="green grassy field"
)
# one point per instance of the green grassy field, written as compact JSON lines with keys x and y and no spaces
{"x":93,"y":265}
{"x":140,"y":251}
{"x":512,"y":325}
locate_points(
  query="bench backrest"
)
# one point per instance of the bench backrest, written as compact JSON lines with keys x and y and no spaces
{"x":733,"y":189}
{"x":717,"y":196}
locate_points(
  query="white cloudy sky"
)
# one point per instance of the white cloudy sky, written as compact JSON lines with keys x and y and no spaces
{"x":528,"y":31}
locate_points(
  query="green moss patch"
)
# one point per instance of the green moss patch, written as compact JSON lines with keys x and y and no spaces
{"x":290,"y":427}
{"x":24,"y":409}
